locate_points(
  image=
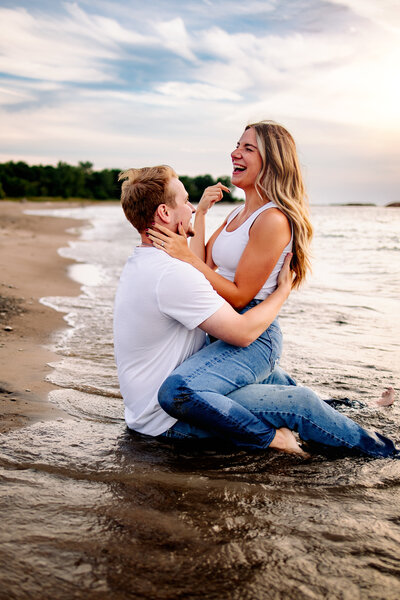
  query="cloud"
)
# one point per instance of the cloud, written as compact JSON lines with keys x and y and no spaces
{"x":77,"y":46}
{"x":384,"y":13}
{"x":176,"y":82}
{"x":175,"y":37}
{"x":196,"y":91}
{"x":51,"y":49}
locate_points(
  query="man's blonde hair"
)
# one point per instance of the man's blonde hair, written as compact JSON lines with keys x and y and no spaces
{"x":143,"y":190}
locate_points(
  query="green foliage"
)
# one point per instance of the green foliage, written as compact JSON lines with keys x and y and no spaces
{"x":18,"y":180}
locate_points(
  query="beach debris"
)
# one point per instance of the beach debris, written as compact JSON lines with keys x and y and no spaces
{"x":8,"y":328}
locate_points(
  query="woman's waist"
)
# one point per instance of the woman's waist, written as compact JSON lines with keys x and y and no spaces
{"x":254,"y":303}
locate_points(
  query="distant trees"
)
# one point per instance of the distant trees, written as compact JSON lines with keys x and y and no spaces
{"x":195,"y":186}
{"x":19,"y":180}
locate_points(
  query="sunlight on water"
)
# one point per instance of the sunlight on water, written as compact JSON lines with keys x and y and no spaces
{"x":86,"y":274}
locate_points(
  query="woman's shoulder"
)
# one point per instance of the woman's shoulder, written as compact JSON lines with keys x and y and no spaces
{"x":272,"y":220}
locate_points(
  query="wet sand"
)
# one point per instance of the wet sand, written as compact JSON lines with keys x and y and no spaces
{"x":30,"y":268}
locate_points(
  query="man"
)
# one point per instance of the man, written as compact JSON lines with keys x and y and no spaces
{"x":163,"y":310}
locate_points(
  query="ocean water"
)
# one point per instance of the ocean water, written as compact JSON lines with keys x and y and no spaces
{"x":90,"y":511}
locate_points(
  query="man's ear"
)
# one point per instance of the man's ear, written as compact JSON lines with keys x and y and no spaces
{"x":163,"y":213}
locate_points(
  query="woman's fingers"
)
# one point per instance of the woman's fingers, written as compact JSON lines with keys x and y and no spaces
{"x":181,"y":230}
{"x":212,"y":194}
{"x":174,"y":244}
{"x":157,"y":235}
{"x":162,"y":228}
{"x":223,"y":187}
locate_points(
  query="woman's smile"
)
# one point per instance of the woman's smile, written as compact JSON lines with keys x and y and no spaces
{"x":246,"y":160}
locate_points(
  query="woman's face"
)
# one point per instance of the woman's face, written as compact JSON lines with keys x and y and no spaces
{"x":246,"y":160}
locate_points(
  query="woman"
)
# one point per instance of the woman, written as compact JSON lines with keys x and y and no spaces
{"x":205,"y":392}
{"x":250,"y":246}
{"x":249,"y":249}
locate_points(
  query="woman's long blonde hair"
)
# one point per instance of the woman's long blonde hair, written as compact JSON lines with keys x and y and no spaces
{"x":280,"y":181}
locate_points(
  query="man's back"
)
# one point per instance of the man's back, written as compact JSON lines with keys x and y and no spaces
{"x":159,"y":303}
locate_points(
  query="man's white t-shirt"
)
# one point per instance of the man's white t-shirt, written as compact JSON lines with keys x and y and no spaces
{"x":160,"y":301}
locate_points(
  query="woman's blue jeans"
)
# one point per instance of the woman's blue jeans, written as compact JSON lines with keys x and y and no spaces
{"x":197,"y":389}
{"x":250,"y":416}
{"x":219,"y":392}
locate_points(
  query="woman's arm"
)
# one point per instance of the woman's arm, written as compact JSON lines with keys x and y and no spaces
{"x":268,"y":236}
{"x":211,"y":195}
{"x":242,"y":329}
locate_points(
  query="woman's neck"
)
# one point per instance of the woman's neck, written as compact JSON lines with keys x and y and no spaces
{"x":252,"y":200}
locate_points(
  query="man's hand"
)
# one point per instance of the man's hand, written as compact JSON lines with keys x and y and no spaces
{"x":285,"y":277}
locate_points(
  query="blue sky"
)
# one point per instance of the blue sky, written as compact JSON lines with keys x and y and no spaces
{"x":128,"y":83}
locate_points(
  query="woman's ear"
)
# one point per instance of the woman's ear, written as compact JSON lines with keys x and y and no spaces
{"x":163,"y":213}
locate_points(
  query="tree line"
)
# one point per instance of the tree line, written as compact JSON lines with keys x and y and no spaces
{"x":19,"y":180}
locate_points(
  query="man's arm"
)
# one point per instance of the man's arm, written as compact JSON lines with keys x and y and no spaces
{"x":242,"y":330}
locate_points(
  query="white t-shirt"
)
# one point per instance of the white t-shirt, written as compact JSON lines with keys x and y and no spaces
{"x":160,"y":301}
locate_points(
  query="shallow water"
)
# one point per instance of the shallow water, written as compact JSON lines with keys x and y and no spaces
{"x":90,"y":511}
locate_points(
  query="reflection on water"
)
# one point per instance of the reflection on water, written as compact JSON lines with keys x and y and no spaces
{"x":89,"y":511}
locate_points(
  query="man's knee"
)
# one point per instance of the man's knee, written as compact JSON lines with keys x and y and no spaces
{"x":172,"y":393}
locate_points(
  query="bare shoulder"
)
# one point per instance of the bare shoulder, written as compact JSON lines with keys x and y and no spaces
{"x":271,"y":220}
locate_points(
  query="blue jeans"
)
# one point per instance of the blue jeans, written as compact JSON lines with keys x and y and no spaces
{"x":249,"y":416}
{"x":220,"y":368}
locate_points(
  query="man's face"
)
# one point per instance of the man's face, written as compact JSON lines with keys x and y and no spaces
{"x":182,"y":212}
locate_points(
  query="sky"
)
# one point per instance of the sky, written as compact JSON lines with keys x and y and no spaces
{"x":129,"y":84}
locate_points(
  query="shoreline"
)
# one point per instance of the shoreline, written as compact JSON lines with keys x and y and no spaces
{"x":31,"y":268}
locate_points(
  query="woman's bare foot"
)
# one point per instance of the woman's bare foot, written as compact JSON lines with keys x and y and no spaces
{"x":387,"y":398}
{"x":285,"y":441}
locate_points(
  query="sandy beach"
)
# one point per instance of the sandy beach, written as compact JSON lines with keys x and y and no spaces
{"x":30,"y":268}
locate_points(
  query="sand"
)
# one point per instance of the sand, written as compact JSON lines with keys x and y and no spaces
{"x":30,"y":268}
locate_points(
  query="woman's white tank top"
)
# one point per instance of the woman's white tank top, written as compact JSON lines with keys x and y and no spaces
{"x":229,"y":246}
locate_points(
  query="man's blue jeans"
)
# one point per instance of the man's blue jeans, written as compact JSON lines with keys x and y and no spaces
{"x":249,"y":416}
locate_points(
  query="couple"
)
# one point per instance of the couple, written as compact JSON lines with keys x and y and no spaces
{"x":175,"y":385}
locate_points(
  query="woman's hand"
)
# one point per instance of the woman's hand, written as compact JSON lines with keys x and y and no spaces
{"x":211,"y":195}
{"x":174,"y":244}
{"x":285,"y":277}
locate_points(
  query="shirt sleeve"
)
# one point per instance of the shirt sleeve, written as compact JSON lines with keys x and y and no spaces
{"x":184,"y":294}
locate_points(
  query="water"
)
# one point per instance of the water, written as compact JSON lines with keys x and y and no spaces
{"x":89,"y":511}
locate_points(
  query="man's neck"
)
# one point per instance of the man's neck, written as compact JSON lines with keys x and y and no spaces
{"x":145,"y":241}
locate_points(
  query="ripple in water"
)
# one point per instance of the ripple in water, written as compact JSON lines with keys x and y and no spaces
{"x":91,"y":511}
